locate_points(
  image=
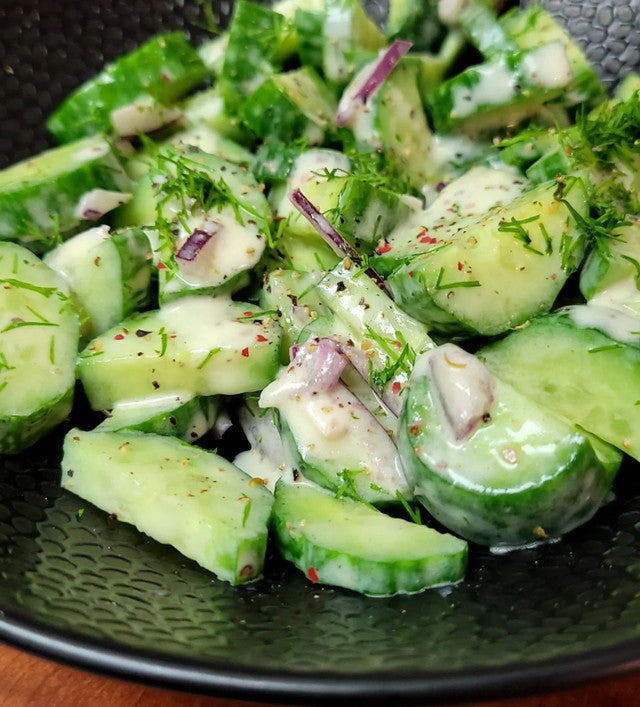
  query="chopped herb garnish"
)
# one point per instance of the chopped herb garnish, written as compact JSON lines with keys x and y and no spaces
{"x":208,"y":357}
{"x":414,"y":513}
{"x":606,"y":347}
{"x":452,"y":285}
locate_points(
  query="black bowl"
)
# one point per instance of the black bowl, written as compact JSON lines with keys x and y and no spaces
{"x":80,"y":588}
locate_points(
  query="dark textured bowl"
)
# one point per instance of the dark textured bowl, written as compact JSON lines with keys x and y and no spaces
{"x":82,"y":589}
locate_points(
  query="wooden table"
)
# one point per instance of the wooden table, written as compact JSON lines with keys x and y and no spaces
{"x":27,"y":681}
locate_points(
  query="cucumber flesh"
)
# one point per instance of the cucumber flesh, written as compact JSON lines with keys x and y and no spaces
{"x":550,"y":359}
{"x":178,"y":494}
{"x":491,"y":464}
{"x":169,"y":352}
{"x":347,"y":544}
{"x":186,"y":419}
{"x":39,"y":332}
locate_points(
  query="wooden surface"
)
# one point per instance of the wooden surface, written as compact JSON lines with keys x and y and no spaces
{"x":26,"y":680}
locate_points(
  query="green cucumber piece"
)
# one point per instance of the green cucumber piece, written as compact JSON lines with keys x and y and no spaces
{"x":164,"y":68}
{"x":499,"y":271}
{"x":274,"y":160}
{"x":461,"y":203}
{"x":39,"y":197}
{"x":251,"y":55}
{"x":180,"y":495}
{"x":109,"y":274}
{"x":292,"y":298}
{"x":611,"y":279}
{"x":490,"y":464}
{"x":502,"y":91}
{"x":333,"y":437}
{"x":187,"y":419}
{"x":169,"y":352}
{"x":39,"y":333}
{"x":416,"y":20}
{"x":552,"y":358}
{"x":480,"y":25}
{"x":290,"y":105}
{"x":534,"y":27}
{"x":393,"y":121}
{"x":344,"y":543}
{"x":309,"y":27}
{"x":347,"y":30}
{"x":207,"y":108}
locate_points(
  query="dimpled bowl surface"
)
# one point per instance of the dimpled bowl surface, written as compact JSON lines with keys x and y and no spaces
{"x":90,"y":591}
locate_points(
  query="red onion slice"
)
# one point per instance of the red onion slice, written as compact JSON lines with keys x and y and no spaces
{"x":96,"y":203}
{"x":196,"y":242}
{"x":336,"y":240}
{"x":463,"y":386}
{"x":378,"y":74}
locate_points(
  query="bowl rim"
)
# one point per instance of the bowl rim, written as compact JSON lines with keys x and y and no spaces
{"x":218,"y":678}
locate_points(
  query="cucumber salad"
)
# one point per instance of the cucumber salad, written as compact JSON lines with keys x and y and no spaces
{"x":401,"y":264}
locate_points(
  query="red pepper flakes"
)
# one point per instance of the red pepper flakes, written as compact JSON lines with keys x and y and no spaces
{"x":395,"y":388}
{"x":460,"y":265}
{"x":428,"y":239}
{"x":245,"y":352}
{"x":248,"y":314}
{"x":312,"y":574}
{"x":161,"y":266}
{"x":383,"y":249}
{"x":410,"y":273}
{"x":260,"y":339}
{"x":397,"y":344}
{"x":414,"y":428}
{"x":119,"y":337}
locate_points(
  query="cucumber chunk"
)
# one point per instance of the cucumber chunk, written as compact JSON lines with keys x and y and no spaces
{"x":195,"y":346}
{"x":109,"y":275}
{"x":498,"y":271}
{"x":551,"y":358}
{"x":347,"y":544}
{"x":180,"y":495}
{"x":39,"y":197}
{"x":39,"y":332}
{"x":489,"y":463}
{"x":187,"y":419}
{"x":416,"y":20}
{"x":502,"y":91}
{"x":334,"y":438}
{"x":290,"y":105}
{"x":164,"y":68}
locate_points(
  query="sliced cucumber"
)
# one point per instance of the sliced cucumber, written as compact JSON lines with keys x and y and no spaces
{"x":187,"y":419}
{"x":550,"y":359}
{"x":502,"y":91}
{"x":178,"y":494}
{"x":290,"y":105}
{"x":334,"y":438}
{"x":109,"y":274}
{"x":460,"y":204}
{"x":533,"y":27}
{"x":499,"y":271}
{"x":196,"y":346}
{"x":39,"y":197}
{"x":347,"y":29}
{"x":164,"y":68}
{"x":345,"y":543}
{"x":39,"y":332}
{"x":416,"y":20}
{"x":489,"y":463}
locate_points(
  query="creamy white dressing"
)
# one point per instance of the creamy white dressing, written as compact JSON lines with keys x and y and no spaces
{"x":548,"y":66}
{"x":614,"y":323}
{"x":495,"y":85}
{"x":96,"y":203}
{"x":623,"y":295}
{"x":231,"y":249}
{"x":337,"y":34}
{"x":142,"y":116}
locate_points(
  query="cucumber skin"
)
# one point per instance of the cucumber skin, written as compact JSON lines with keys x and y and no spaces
{"x":36,"y":228}
{"x":179,"y":422}
{"x":144,"y":71}
{"x":557,"y":505}
{"x":18,"y":432}
{"x":373,"y":578}
{"x":181,"y":518}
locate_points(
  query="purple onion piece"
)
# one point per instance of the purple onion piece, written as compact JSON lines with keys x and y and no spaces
{"x":378,"y":74}
{"x":92,"y":214}
{"x":328,"y":363}
{"x":191,"y":248}
{"x":341,"y":247}
{"x":384,"y":66}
